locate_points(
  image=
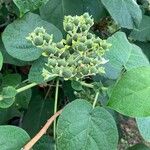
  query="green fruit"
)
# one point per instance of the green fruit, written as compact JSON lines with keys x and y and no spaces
{"x":82,"y":47}
{"x":83,"y":39}
{"x":84,"y":28}
{"x":86,"y":15}
{"x":93,"y":69}
{"x":60,"y":45}
{"x":75,"y":37}
{"x":56,"y":70}
{"x":52,"y":62}
{"x":67,"y":73}
{"x":76,"y":22}
{"x":50,"y":49}
{"x":68,"y":27}
{"x":90,"y":22}
{"x":89,"y":36}
{"x":89,"y":44}
{"x":62,"y":62}
{"x":69,"y":41}
{"x":85,"y":70}
{"x":86,"y":60}
{"x":38,"y":41}
{"x":47,"y":37}
{"x":39,"y":30}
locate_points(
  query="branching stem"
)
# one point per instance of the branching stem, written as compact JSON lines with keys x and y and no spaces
{"x":31,"y":143}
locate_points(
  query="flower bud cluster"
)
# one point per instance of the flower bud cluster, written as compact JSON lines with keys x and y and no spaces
{"x":78,"y":55}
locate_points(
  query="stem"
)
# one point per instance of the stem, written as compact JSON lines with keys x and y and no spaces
{"x":95,"y":100}
{"x":31,"y":143}
{"x":87,"y":85}
{"x":26,"y":87}
{"x":55,"y":107}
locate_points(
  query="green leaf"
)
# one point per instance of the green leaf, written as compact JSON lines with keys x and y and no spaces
{"x":82,"y":127}
{"x":55,"y":10}
{"x":12,"y":138}
{"x":1,"y":60}
{"x":39,"y":111}
{"x":14,"y":37}
{"x":139,"y":147}
{"x":7,"y":96}
{"x":131,"y":95}
{"x":45,"y":143}
{"x":11,"y":80}
{"x":144,"y":126}
{"x":126,"y":13}
{"x":142,"y":33}
{"x":9,"y":59}
{"x":145,"y":46}
{"x":7,"y":114}
{"x":121,"y":55}
{"x":28,"y":5}
{"x":40,"y":74}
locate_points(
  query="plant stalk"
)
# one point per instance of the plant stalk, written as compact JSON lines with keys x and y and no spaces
{"x":55,"y":107}
{"x":26,"y":87}
{"x":95,"y":100}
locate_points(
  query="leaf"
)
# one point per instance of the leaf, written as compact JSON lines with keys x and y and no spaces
{"x":126,"y":13}
{"x":8,"y":113}
{"x":12,"y":138}
{"x":1,"y":60}
{"x":11,"y":80}
{"x":82,"y":127}
{"x":28,"y":5}
{"x":142,"y":33}
{"x":121,"y":55}
{"x":139,"y":147}
{"x":7,"y":96}
{"x":145,"y":48}
{"x":131,"y":95}
{"x":144,"y":126}
{"x":40,"y":74}
{"x":76,"y":85}
{"x":14,"y":37}
{"x":55,"y":10}
{"x":9,"y":59}
{"x":39,"y":111}
{"x":45,"y":143}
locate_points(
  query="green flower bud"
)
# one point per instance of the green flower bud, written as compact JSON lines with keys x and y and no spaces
{"x":56,"y":70}
{"x":38,"y":41}
{"x":86,"y":60}
{"x":69,"y":41}
{"x":60,"y":45}
{"x":39,"y":30}
{"x":86,"y":15}
{"x":84,"y":28}
{"x":68,"y":27}
{"x":82,"y":47}
{"x":76,"y":21}
{"x":82,"y":39}
{"x":62,"y":62}
{"x":52,"y":62}
{"x":85,"y":70}
{"x":89,"y":44}
{"x":50,"y":49}
{"x":89,"y":36}
{"x":93,"y":69}
{"x":90,"y":22}
{"x":67,"y":73}
{"x":47,"y":37}
{"x":75,"y":37}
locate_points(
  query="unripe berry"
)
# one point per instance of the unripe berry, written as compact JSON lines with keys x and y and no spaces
{"x":86,"y":60}
{"x":93,"y":69}
{"x":60,"y":45}
{"x":85,"y":70}
{"x":38,"y":41}
{"x":67,"y":73}
{"x":39,"y":30}
{"x":47,"y":37}
{"x":84,"y":28}
{"x":62,"y":62}
{"x":68,"y":27}
{"x":82,"y":47}
{"x":75,"y":37}
{"x":89,"y":36}
{"x":76,"y":21}
{"x":86,"y":15}
{"x":52,"y":62}
{"x":89,"y":44}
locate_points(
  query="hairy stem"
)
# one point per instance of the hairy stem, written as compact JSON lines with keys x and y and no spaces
{"x":87,"y":85}
{"x":55,"y":106}
{"x":31,"y":143}
{"x":95,"y":100}
{"x":26,"y":87}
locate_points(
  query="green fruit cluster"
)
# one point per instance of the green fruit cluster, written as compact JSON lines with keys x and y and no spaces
{"x":77,"y":56}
